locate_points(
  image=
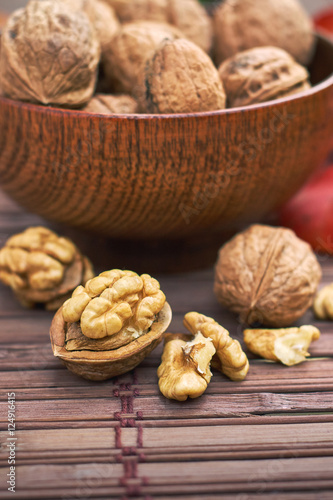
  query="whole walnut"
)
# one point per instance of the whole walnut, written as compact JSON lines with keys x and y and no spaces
{"x":111,"y":104}
{"x":42,"y":268}
{"x":101,"y":15}
{"x":187,"y":15}
{"x":262,"y":74}
{"x":129,"y":50}
{"x":181,"y":78}
{"x":245,"y":24}
{"x":267,"y":275}
{"x":49,"y":55}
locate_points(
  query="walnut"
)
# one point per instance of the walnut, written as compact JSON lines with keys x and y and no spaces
{"x":245,"y":24}
{"x":187,"y":15}
{"x":181,"y":78}
{"x":133,"y":45}
{"x":267,"y":275}
{"x":323,"y":303}
{"x":42,"y":268}
{"x":102,"y":17}
{"x":262,"y":74}
{"x":109,"y":326}
{"x":184,"y":371}
{"x":289,"y":345}
{"x":229,"y":358}
{"x":111,"y":104}
{"x":49,"y":55}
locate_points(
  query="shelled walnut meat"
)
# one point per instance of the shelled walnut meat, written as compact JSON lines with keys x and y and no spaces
{"x":245,"y":24}
{"x":42,"y":268}
{"x":187,"y":15}
{"x":323,"y":303}
{"x":107,"y":327}
{"x":262,"y":74}
{"x":267,"y":275}
{"x":180,"y":78}
{"x":49,"y":55}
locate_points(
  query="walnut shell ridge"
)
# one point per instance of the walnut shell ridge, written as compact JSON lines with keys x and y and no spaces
{"x":262,"y":74}
{"x":245,"y":24}
{"x":267,"y":275}
{"x":49,"y":55}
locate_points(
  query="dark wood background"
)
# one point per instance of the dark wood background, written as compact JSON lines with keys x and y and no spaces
{"x":269,"y":437}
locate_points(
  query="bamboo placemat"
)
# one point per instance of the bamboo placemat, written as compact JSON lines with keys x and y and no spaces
{"x":270,"y":436}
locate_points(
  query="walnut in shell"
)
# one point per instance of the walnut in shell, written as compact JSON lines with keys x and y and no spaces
{"x":127,"y":54}
{"x":111,"y":104}
{"x":49,"y":55}
{"x":102,"y":17}
{"x":262,"y":74}
{"x":187,"y":15}
{"x":185,"y":368}
{"x":323,"y":303}
{"x":229,"y":358}
{"x":111,"y":324}
{"x":42,"y":268}
{"x":181,"y":78}
{"x":245,"y":24}
{"x":287,"y":345}
{"x":267,"y":275}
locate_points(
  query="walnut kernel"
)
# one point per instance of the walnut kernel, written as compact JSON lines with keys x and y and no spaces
{"x":323,"y":303}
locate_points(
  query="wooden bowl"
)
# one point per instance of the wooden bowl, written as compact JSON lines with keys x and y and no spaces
{"x":166,"y":176}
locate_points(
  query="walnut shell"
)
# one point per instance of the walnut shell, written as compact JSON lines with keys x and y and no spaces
{"x":127,"y":54}
{"x":261,"y":74}
{"x":181,"y":78}
{"x":102,"y":365}
{"x":101,"y":15}
{"x":267,"y":275}
{"x":49,"y":55}
{"x":111,"y":104}
{"x":187,"y":15}
{"x":245,"y":24}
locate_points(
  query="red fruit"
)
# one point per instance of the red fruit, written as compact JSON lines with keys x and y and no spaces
{"x":310,"y":212}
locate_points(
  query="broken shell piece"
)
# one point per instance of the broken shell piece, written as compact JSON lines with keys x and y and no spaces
{"x":287,"y":345}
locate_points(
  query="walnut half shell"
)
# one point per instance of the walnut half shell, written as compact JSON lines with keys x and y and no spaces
{"x":102,"y":365}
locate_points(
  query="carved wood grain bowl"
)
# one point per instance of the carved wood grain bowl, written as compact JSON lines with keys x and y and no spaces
{"x":102,"y":365}
{"x":171,"y":176}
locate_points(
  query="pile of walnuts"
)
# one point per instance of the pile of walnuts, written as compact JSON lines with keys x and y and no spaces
{"x":155,"y":56}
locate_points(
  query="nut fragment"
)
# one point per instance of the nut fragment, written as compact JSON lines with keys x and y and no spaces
{"x":126,"y":55}
{"x":230,"y":358}
{"x":267,"y":275}
{"x":42,"y":267}
{"x":323,"y":303}
{"x":262,"y":74}
{"x":111,"y":104}
{"x":289,"y":345}
{"x":102,"y":17}
{"x":184,"y":371}
{"x":49,"y":55}
{"x":181,"y":78}
{"x":245,"y":24}
{"x":113,"y":301}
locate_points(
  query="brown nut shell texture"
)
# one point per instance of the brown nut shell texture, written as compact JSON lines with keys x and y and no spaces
{"x":323,"y":303}
{"x":244,"y":24}
{"x":112,"y":310}
{"x":267,"y":275}
{"x":181,"y":78}
{"x":111,"y":104}
{"x":185,"y":368}
{"x":230,"y":358}
{"x":288,"y":346}
{"x":262,"y":74}
{"x":42,"y":267}
{"x":187,"y":15}
{"x":49,"y":55}
{"x":127,"y":54}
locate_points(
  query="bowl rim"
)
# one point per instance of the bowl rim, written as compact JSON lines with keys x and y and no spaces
{"x":50,"y":110}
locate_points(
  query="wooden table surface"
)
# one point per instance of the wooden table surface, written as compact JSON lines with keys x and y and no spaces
{"x":269,"y":437}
